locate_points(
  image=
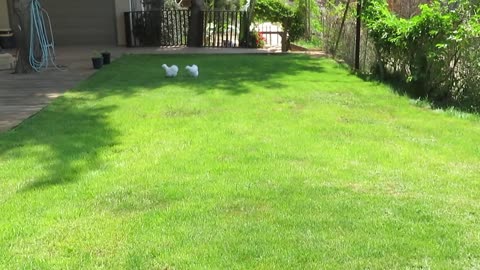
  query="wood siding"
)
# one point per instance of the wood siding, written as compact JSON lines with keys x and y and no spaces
{"x":85,"y":22}
{"x":4,"y":21}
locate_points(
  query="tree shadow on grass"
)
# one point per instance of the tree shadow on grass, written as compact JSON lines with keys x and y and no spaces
{"x":397,"y":85}
{"x":233,"y":73}
{"x":64,"y":140}
{"x":414,"y":91}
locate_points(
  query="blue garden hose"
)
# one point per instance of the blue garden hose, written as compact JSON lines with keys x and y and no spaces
{"x":42,"y":45}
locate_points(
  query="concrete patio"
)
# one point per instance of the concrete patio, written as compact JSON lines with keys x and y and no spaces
{"x":23,"y":95}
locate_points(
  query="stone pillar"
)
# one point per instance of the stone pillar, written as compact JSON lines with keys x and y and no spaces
{"x":121,"y":6}
{"x":195,"y":30}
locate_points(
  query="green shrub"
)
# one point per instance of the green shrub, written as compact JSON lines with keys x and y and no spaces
{"x":288,"y":15}
{"x":436,"y":52}
{"x":256,"y":40}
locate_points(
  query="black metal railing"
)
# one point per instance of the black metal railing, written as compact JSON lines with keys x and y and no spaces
{"x":157,"y":28}
{"x":171,"y":28}
{"x":223,"y":28}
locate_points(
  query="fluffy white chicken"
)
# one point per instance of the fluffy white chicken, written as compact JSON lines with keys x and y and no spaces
{"x":192,"y":70}
{"x":170,"y":71}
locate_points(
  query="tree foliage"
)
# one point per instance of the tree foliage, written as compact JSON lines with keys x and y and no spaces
{"x":290,"y":16}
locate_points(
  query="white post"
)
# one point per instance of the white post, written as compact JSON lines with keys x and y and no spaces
{"x":121,"y":6}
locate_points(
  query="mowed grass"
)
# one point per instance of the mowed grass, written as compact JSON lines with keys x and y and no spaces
{"x":263,"y":162}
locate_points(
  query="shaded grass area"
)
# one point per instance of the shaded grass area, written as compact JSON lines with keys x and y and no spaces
{"x":262,"y":162}
{"x":314,"y":43}
{"x":461,"y":105}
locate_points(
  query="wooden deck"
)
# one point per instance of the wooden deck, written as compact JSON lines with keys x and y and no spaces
{"x":22,"y":95}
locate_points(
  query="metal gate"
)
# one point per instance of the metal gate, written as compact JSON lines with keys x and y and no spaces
{"x":157,"y":28}
{"x":171,"y":28}
{"x":223,"y":28}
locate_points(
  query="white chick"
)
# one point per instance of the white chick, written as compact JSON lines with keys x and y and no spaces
{"x":170,"y":71}
{"x":192,"y":70}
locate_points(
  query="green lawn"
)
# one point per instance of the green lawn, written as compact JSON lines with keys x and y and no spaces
{"x":263,"y":162}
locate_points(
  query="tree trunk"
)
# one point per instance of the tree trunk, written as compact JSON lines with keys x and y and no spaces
{"x":19,"y":11}
{"x":358,"y":35}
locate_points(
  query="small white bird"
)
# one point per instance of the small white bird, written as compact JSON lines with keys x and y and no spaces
{"x":170,"y":71}
{"x":192,"y":70}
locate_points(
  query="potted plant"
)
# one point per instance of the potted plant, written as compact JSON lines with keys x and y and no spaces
{"x":256,"y":40}
{"x":106,"y":57}
{"x":97,"y":60}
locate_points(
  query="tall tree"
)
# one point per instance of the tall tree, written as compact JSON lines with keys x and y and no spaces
{"x":20,"y":18}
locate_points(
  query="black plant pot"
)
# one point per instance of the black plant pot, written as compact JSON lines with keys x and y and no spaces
{"x":97,"y":62}
{"x":106,"y":58}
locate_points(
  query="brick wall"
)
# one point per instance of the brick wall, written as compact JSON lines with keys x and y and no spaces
{"x":406,"y":8}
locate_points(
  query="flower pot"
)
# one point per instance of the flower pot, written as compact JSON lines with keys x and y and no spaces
{"x":106,"y":58}
{"x":7,"y":40}
{"x":97,"y":62}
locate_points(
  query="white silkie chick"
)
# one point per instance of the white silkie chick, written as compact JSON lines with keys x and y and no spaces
{"x":170,"y":71}
{"x":192,"y":70}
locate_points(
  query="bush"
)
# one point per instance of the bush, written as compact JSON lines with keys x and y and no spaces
{"x":435,"y":52}
{"x":278,"y":11}
{"x":256,"y":40}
